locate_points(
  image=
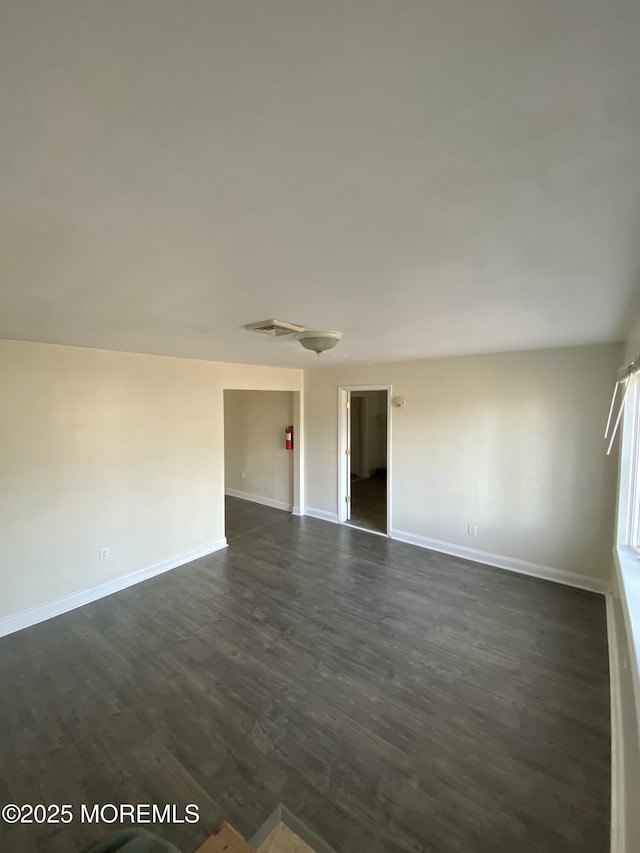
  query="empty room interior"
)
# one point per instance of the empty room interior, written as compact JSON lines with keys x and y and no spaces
{"x":320,"y":427}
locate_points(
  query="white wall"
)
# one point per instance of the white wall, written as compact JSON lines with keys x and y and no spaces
{"x":510,"y":442}
{"x":254,"y":429}
{"x":108,"y":449}
{"x":626,"y":738}
{"x":632,"y":342}
{"x":625,"y":676}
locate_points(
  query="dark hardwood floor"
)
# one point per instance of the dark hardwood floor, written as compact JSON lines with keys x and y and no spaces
{"x":242,"y":517}
{"x":394,"y":699}
{"x":369,"y":503}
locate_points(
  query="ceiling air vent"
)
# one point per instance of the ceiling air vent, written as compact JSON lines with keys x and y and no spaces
{"x":275,"y":328}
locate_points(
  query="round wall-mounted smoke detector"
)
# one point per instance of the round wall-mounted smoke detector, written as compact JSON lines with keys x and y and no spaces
{"x":318,"y":341}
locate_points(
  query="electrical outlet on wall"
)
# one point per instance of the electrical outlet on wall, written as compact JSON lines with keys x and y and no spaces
{"x":104,"y":553}
{"x":472,"y":529}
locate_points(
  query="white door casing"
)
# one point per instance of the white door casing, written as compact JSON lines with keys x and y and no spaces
{"x":344,"y":462}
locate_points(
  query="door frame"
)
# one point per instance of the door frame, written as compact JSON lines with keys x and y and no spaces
{"x":343,"y":446}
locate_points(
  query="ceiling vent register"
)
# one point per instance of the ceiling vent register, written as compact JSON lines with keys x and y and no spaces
{"x":274,"y":328}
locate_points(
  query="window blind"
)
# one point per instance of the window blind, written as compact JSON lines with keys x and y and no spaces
{"x":623,"y":382}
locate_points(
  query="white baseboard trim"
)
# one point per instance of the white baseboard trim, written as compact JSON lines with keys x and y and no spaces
{"x":297,"y":510}
{"x":617,"y":741}
{"x":258,"y":499}
{"x":323,"y":514}
{"x":27,"y":618}
{"x":511,"y":564}
{"x":366,"y":530}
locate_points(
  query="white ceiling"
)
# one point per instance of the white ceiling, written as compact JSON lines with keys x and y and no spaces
{"x":429,"y":177}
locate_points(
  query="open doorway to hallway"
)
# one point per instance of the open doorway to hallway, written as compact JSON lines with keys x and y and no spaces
{"x":259,"y":467}
{"x":366,"y":458}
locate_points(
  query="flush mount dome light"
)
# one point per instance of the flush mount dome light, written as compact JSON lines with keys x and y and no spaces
{"x":319,"y":341}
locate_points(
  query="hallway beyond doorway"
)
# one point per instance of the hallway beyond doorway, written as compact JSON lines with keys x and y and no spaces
{"x":364,"y":458}
{"x":369,"y":503}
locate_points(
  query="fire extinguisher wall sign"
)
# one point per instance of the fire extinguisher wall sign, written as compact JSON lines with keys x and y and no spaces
{"x":288,"y":441}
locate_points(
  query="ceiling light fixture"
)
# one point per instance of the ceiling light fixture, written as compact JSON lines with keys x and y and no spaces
{"x":318,"y":341}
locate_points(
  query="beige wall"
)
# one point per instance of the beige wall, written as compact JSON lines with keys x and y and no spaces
{"x":510,"y":442}
{"x":376,"y":429}
{"x":254,"y":429}
{"x":108,"y":449}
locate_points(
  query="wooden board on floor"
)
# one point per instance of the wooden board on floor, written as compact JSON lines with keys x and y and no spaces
{"x":225,"y":840}
{"x":282,"y":839}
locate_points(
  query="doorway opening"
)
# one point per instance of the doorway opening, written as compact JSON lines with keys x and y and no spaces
{"x":261,"y":458}
{"x":364,"y":448}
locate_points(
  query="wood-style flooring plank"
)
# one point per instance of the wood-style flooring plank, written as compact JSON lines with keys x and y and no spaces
{"x":394,"y":699}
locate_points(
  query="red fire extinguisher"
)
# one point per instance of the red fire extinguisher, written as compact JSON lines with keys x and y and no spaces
{"x":288,"y":438}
